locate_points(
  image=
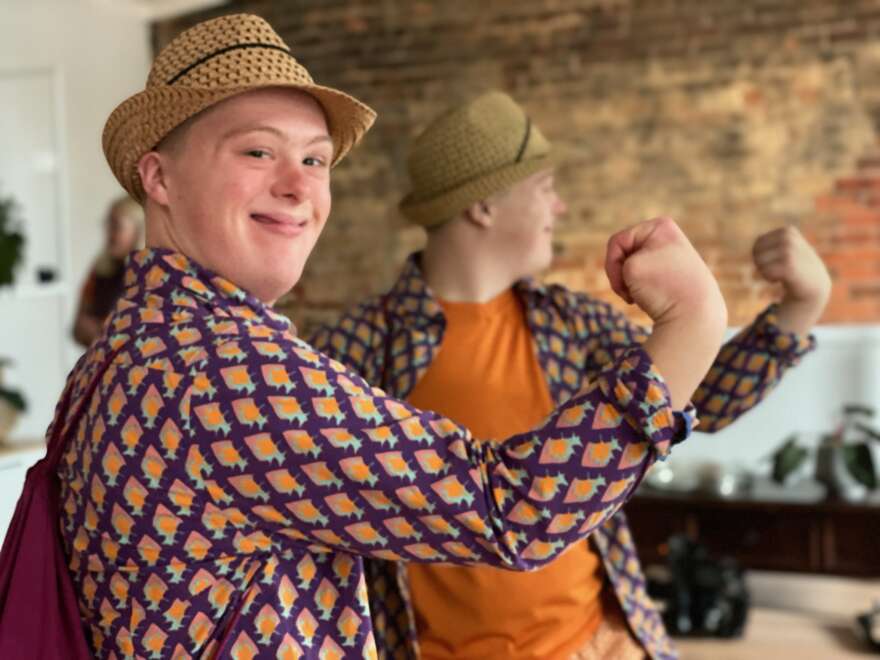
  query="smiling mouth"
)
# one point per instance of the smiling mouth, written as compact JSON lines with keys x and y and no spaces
{"x":281,"y":223}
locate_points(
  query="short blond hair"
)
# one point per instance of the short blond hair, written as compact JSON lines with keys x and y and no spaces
{"x":127,"y":206}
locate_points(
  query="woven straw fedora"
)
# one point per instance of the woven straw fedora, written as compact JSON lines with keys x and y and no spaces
{"x":470,"y":152}
{"x":207,"y":63}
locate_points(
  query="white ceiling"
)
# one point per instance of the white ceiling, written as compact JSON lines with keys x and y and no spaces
{"x":157,"y":9}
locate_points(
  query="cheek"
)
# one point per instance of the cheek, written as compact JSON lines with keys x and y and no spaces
{"x":528,"y":225}
{"x":323,"y":200}
{"x":237,"y":191}
{"x":227,"y":204}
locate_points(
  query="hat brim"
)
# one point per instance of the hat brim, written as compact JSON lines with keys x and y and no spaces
{"x":140,"y":122}
{"x":437,"y":209}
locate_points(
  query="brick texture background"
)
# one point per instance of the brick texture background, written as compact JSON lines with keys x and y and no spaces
{"x":732,"y":116}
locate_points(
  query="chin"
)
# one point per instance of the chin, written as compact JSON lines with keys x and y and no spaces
{"x":540,"y":264}
{"x":281,"y":286}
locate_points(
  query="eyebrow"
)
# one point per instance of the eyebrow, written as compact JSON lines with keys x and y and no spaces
{"x":234,"y":132}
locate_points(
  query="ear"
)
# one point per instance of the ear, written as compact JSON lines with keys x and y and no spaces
{"x":481,"y":213}
{"x":151,"y":168}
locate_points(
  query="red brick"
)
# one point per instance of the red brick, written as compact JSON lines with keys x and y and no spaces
{"x":725,"y":114}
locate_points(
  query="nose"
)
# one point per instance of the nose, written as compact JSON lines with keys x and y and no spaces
{"x":290,"y":181}
{"x":559,"y":206}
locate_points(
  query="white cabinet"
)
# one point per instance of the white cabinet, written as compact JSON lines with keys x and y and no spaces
{"x":35,"y":313}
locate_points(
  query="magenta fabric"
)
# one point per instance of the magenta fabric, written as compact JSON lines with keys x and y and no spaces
{"x":39,"y":615}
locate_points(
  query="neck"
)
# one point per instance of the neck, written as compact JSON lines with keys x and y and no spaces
{"x":159,"y":231}
{"x":458,"y":273}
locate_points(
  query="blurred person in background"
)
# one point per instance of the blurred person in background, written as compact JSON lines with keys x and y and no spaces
{"x":104,"y":283}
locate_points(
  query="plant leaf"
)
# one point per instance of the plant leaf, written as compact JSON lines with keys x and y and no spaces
{"x":873,"y":434}
{"x":13,"y":398}
{"x":860,"y":463}
{"x":788,"y":458}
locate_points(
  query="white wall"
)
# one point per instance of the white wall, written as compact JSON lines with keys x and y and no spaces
{"x":844,"y":369}
{"x":97,"y":56}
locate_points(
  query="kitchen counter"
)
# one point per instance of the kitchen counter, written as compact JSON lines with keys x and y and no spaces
{"x":795,"y":617}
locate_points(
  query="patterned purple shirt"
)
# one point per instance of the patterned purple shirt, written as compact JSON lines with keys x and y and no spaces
{"x":392,"y":340}
{"x":222,"y":480}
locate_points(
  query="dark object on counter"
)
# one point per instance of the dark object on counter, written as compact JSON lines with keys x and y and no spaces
{"x":869,"y":625}
{"x":703,"y":597}
{"x":46,"y":274}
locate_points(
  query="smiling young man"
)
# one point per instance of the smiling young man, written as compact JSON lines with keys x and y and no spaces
{"x":217,"y":481}
{"x":467,"y":332}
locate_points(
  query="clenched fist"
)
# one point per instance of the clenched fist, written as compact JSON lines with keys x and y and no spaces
{"x":653,"y":265}
{"x":783,"y":256}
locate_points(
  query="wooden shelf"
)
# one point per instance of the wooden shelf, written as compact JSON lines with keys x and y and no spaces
{"x":827,"y":537}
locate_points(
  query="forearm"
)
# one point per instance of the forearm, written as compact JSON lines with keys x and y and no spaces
{"x":683,"y":352}
{"x":798,"y":317}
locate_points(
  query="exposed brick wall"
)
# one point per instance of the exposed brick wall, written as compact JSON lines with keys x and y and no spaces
{"x":847,"y":235}
{"x":733,"y":116}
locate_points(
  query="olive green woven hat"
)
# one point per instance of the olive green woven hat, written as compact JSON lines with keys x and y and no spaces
{"x":205,"y":64}
{"x":469,"y":153}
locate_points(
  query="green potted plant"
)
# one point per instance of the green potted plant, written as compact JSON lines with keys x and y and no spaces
{"x":12,"y":403}
{"x":11,"y":241}
{"x":843,"y":460}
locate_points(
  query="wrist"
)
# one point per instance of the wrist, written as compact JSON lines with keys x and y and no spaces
{"x":707,"y":316}
{"x":814,"y":300}
{"x":797,"y":315}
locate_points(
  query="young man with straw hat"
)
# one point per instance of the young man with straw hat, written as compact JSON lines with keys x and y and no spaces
{"x":467,"y":332}
{"x":214,"y":480}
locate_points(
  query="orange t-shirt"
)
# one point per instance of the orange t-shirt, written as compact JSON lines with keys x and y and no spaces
{"x":486,"y":376}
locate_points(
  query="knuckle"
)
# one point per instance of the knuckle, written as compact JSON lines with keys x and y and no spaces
{"x":632,"y":269}
{"x":667,"y":223}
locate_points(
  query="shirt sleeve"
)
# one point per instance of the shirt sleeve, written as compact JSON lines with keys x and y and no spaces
{"x":306,"y":449}
{"x":748,"y":367}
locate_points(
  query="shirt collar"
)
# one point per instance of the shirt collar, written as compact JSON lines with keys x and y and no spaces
{"x":162,"y":278}
{"x":411,"y":299}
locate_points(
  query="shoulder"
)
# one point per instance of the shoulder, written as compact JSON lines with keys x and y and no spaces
{"x":579,"y":304}
{"x":588,"y":316}
{"x":362,"y":325}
